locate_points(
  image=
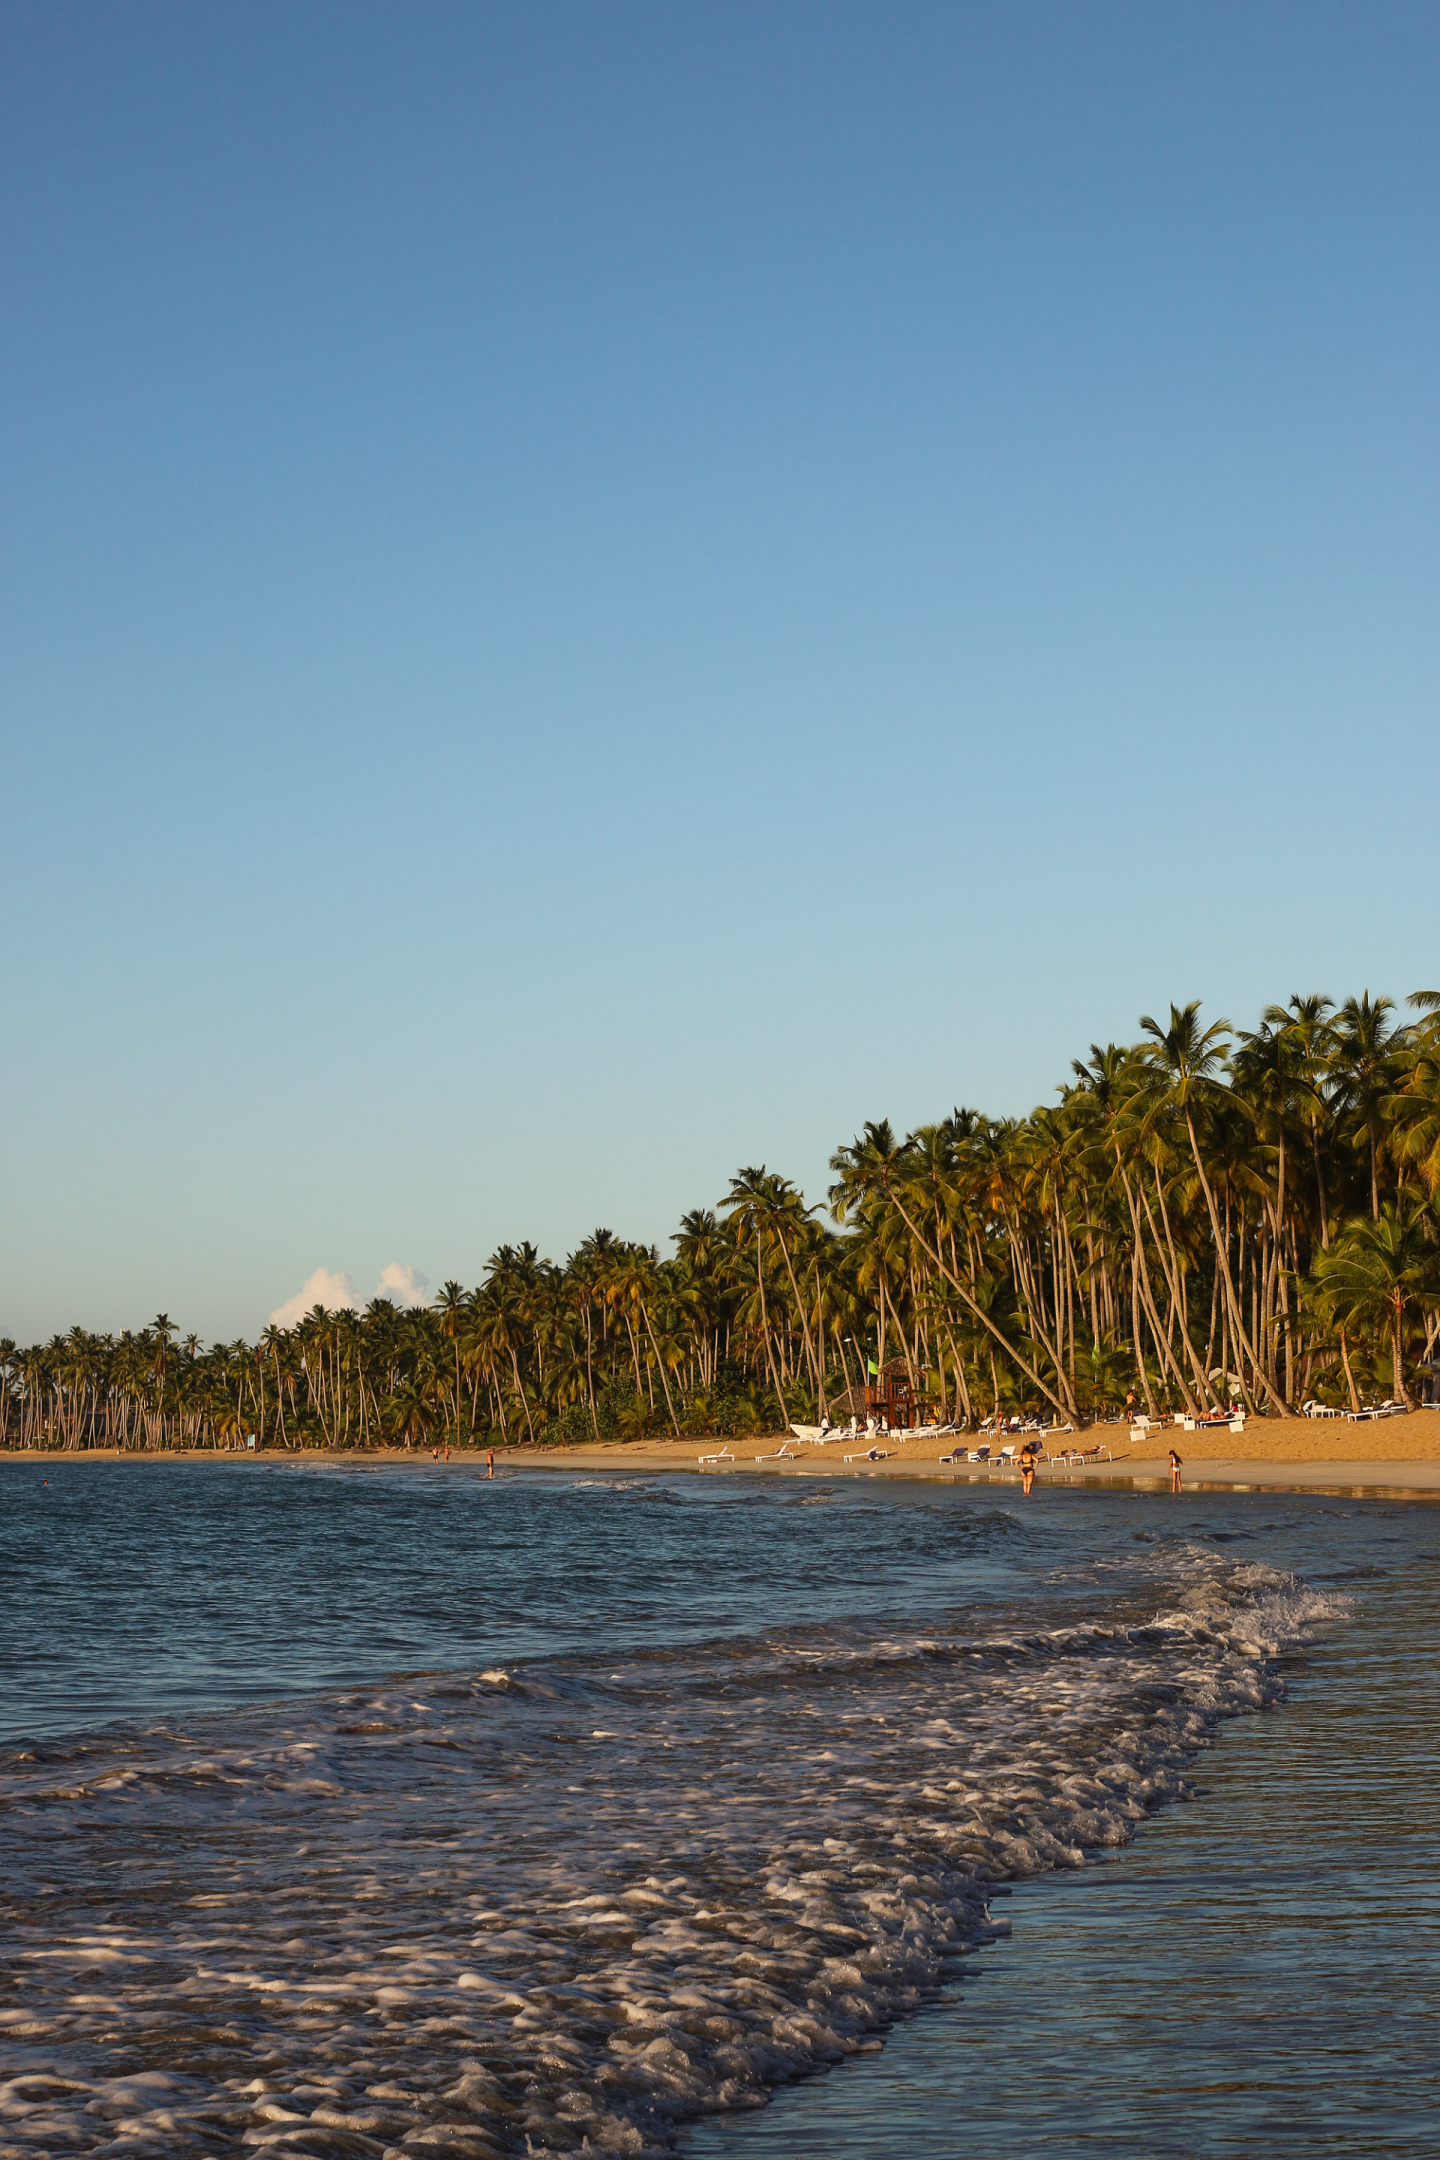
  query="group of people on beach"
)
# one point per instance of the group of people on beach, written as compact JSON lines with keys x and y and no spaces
{"x":443,"y":1455}
{"x":1026,"y":1463}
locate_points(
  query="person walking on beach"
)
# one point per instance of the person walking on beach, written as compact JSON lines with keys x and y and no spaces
{"x":1176,"y":1466}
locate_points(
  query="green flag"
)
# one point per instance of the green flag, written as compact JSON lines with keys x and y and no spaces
{"x":873,"y":1367}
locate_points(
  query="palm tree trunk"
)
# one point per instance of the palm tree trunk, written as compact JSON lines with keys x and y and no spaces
{"x":810,"y":1356}
{"x":1398,"y":1390}
{"x":765,"y":1324}
{"x":1320,"y":1186}
{"x":520,"y":1391}
{"x":820,"y":1337}
{"x":1279,"y":1401}
{"x":645,"y":1310}
{"x":960,"y":1387}
{"x":590,"y":1373}
{"x":1169,"y":1284}
{"x":1067,"y":1409}
{"x":1139,"y":1341}
{"x":1162,"y":1334}
{"x":1349,"y":1376}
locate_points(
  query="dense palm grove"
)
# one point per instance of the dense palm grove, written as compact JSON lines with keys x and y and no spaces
{"x":1202,"y":1217}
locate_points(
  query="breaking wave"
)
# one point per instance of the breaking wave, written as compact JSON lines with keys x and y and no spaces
{"x":563,"y":1907}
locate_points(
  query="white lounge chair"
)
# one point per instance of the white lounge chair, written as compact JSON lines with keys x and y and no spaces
{"x":872,"y":1454}
{"x":784,"y":1453}
{"x":722,"y":1455}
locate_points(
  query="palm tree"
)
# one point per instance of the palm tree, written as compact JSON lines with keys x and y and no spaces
{"x":973,"y":1249}
{"x":271,"y":1341}
{"x":1414,"y":1108}
{"x":1381,"y":1272}
{"x":162,"y":1331}
{"x":1270,"y":1073}
{"x":510,"y":1310}
{"x":1313,"y":1039}
{"x":748,"y":1204}
{"x":449,"y":1307}
{"x":636,"y":1289}
{"x":1364,"y":1070}
{"x":872,"y":1166}
{"x":1184,"y":1061}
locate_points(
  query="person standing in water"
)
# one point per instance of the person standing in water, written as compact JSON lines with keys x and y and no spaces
{"x":1176,"y":1466}
{"x":1027,"y":1475}
{"x":490,"y":1472}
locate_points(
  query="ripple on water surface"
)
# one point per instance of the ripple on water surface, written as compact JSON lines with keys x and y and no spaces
{"x":569,"y":1902}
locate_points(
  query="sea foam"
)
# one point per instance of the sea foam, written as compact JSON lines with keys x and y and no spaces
{"x":566,"y":1906}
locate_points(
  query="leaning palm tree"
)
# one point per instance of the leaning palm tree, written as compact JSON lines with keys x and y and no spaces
{"x":874,"y":1166}
{"x":1183,"y":1063}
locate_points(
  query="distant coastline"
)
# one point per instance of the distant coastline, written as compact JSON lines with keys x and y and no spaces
{"x":1205,"y":1220}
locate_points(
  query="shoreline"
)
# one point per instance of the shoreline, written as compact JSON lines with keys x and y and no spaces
{"x":1400,"y":1459}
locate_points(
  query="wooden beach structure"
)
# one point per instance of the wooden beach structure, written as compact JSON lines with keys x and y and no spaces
{"x":891,"y":1398}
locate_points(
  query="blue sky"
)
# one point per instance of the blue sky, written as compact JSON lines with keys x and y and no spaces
{"x":590,"y":595}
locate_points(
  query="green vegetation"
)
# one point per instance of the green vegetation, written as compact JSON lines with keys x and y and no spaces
{"x":1201,"y":1214}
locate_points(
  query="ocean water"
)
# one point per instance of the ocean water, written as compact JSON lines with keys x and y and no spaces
{"x":395,"y":1811}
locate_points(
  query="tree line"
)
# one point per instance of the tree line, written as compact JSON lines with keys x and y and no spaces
{"x":1205,"y":1215}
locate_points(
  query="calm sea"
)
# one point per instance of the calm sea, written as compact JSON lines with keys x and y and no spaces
{"x":393,"y":1811}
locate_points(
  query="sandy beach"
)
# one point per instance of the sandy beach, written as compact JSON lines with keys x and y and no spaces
{"x":1388,"y":1454}
{"x":1397,"y":1455}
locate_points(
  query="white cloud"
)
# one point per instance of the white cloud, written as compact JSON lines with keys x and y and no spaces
{"x":404,"y":1286}
{"x":335,"y":1292}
